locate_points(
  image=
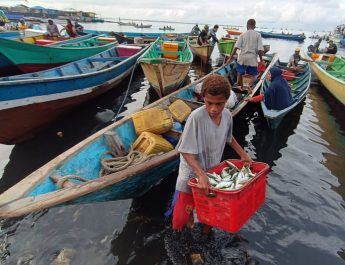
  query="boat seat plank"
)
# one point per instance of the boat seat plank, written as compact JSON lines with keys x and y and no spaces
{"x":80,"y":70}
{"x":108,"y":59}
{"x":178,"y":53}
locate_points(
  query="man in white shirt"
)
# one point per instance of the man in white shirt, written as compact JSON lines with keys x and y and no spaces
{"x":52,"y":29}
{"x":250,"y":44}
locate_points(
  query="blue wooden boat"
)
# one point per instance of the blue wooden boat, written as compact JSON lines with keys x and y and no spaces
{"x":284,"y":36}
{"x":38,"y":190}
{"x":299,"y":87}
{"x":10,"y":34}
{"x":30,"y":101}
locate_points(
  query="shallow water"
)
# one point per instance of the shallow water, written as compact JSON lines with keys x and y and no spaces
{"x":301,"y":222}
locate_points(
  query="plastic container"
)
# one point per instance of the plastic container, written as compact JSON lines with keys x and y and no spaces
{"x":331,"y":58}
{"x":180,"y":110}
{"x":315,"y":56}
{"x":106,"y":39}
{"x":230,"y":210}
{"x":153,"y":120}
{"x":150,"y":143}
{"x":123,"y":50}
{"x":247,"y":80}
{"x":170,"y":47}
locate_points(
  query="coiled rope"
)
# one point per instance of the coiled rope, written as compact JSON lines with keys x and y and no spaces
{"x":62,"y":180}
{"x":114,"y":164}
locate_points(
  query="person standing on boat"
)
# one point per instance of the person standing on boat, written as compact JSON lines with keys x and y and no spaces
{"x":278,"y":95}
{"x":203,"y":36}
{"x":206,"y":132}
{"x":70,"y":29}
{"x":250,"y":45}
{"x":52,"y":29}
{"x":212,"y":34}
{"x":195,"y":30}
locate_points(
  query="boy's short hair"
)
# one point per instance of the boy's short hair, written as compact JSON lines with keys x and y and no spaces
{"x":216,"y":85}
{"x":251,"y":22}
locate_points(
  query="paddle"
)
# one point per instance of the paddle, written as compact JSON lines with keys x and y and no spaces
{"x":291,"y":69}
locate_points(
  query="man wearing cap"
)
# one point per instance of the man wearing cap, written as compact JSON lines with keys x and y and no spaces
{"x":295,"y":59}
{"x":203,"y":36}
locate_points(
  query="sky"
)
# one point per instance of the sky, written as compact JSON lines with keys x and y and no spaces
{"x":314,"y":15}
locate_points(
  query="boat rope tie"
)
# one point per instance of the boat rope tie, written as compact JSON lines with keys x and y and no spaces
{"x":60,"y":182}
{"x":126,"y":94}
{"x":114,"y":164}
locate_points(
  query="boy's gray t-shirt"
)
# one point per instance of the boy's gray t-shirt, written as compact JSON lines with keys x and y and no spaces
{"x":203,"y":138}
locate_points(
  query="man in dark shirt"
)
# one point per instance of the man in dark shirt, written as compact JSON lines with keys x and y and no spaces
{"x":203,"y":36}
{"x":332,"y":48}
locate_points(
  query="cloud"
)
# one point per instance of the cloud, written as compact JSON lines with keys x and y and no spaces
{"x":309,"y":14}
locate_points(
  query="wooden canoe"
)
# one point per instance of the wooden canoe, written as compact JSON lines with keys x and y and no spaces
{"x":37,"y":191}
{"x":166,"y":74}
{"x":299,"y":84}
{"x":142,"y":26}
{"x":330,"y":69}
{"x":226,"y":46}
{"x":233,"y":32}
{"x":31,"y":58}
{"x":121,"y":38}
{"x":293,"y":37}
{"x":38,"y":39}
{"x":30,"y":101}
{"x":202,"y":51}
{"x":7,"y":66}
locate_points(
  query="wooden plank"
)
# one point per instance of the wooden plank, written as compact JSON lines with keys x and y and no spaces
{"x":101,"y":59}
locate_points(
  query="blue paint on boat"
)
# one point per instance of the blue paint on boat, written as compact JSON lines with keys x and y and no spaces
{"x":78,"y":75}
{"x":10,"y":34}
{"x":4,"y":62}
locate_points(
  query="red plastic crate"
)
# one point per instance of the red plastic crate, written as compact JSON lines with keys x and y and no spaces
{"x":230,"y":210}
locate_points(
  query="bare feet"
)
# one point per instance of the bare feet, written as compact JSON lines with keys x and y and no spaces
{"x":206,"y":229}
{"x":190,"y":223}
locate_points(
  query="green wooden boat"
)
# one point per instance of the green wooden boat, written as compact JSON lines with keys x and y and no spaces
{"x":299,"y":84}
{"x":164,"y":68}
{"x":330,"y":69}
{"x":226,"y":46}
{"x":31,"y":58}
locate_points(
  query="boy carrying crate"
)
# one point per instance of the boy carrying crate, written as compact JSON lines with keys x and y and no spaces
{"x":207,"y":130}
